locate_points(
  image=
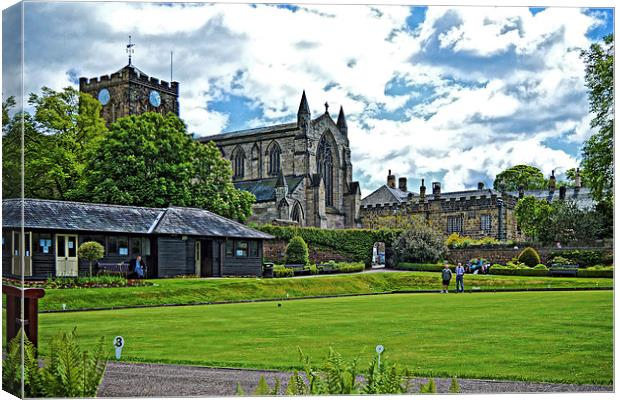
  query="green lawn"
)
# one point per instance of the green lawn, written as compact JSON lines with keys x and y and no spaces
{"x":188,"y":291}
{"x":536,"y":336}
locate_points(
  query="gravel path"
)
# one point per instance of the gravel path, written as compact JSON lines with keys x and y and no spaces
{"x":160,"y":380}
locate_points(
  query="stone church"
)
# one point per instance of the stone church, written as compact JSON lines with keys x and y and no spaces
{"x":300,"y":172}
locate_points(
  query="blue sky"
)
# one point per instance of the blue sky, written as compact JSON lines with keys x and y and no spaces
{"x":455,"y":94}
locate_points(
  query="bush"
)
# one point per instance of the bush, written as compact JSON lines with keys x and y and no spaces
{"x":585,"y":258}
{"x":420,"y":244}
{"x":561,"y":260}
{"x":297,"y":251}
{"x":456,"y":241}
{"x":541,"y":267}
{"x":529,"y":257}
{"x":91,"y":251}
{"x":12,"y":369}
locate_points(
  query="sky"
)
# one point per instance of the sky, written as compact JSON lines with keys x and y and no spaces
{"x":449,"y":94}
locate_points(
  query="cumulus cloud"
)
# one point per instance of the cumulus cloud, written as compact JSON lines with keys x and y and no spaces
{"x":462,"y":95}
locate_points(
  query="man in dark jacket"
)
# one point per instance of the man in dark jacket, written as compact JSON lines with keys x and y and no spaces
{"x":446,"y":275}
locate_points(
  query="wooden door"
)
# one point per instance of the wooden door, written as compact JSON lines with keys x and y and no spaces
{"x":66,"y":255}
{"x":16,"y":255}
{"x":207,"y":258}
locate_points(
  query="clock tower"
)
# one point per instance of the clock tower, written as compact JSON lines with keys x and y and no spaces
{"x":130,"y":91}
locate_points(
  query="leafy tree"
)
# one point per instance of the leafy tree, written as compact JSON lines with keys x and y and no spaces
{"x":533,"y":217}
{"x":57,"y":141}
{"x":420,"y":243}
{"x":91,"y":251}
{"x":529,"y":177}
{"x":598,"y":151}
{"x":150,"y":160}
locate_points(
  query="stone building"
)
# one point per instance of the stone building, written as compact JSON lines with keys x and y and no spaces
{"x":130,"y":91}
{"x":300,"y":172}
{"x":475,"y":213}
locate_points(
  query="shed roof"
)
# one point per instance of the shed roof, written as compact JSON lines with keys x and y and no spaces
{"x":76,"y":216}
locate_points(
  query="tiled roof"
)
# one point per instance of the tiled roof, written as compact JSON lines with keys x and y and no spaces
{"x":583,"y":198}
{"x":249,"y":132}
{"x":264,"y":189}
{"x":386,"y":194}
{"x":75,"y":216}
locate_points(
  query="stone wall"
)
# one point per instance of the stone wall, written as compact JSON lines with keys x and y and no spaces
{"x":274,"y":251}
{"x":503,"y":255}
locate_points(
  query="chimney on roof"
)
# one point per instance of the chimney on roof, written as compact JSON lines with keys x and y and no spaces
{"x":436,"y":190}
{"x":552,"y":182}
{"x":521,"y":190}
{"x":562,"y":192}
{"x":402,"y":184}
{"x":422,"y":191}
{"x":391,"y":179}
{"x":480,"y":185}
{"x":577,"y":179}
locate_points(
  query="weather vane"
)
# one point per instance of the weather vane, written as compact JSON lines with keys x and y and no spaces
{"x":129,"y":49}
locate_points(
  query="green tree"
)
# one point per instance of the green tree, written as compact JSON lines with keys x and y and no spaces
{"x":598,"y":151}
{"x":91,"y":251}
{"x":297,"y":251}
{"x":529,"y":177}
{"x":420,"y":243}
{"x":533,"y":217}
{"x":150,"y":160}
{"x":58,"y":139}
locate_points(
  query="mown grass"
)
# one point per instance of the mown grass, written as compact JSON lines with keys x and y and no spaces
{"x":191,"y":291}
{"x":533,"y":336}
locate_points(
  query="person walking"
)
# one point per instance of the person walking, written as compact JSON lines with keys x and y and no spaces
{"x":460,"y":271}
{"x":446,"y":275}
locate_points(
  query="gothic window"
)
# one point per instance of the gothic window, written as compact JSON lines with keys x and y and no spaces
{"x":274,"y":160}
{"x":325,"y":168}
{"x":485,"y":222}
{"x":238,"y":163}
{"x":296,"y":215}
{"x":455,"y":224}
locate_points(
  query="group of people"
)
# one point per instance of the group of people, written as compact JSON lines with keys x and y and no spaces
{"x":475,"y":266}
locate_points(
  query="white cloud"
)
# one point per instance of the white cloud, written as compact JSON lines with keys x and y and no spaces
{"x":488,"y":86}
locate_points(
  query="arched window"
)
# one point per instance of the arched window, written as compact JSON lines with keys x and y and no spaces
{"x":297,"y":214}
{"x":325,"y":167}
{"x":274,"y":159}
{"x":238,"y":163}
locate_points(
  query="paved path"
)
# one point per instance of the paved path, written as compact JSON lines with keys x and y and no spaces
{"x":160,"y":380}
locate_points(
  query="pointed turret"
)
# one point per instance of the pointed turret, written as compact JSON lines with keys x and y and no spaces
{"x":281,"y":187}
{"x":342,"y":122}
{"x":303,"y":114}
{"x":281,"y":181}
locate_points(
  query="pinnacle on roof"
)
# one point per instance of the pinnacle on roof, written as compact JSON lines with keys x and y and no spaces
{"x":342,"y":122}
{"x":281,"y":181}
{"x":304,"y":109}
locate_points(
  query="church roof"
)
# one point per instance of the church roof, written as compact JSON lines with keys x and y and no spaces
{"x":386,"y":194}
{"x":264,"y":189}
{"x":249,"y":132}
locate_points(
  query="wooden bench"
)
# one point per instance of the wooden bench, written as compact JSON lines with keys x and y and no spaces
{"x":563,"y":269}
{"x":121,"y":268}
{"x":327,"y":268}
{"x":298,"y":269}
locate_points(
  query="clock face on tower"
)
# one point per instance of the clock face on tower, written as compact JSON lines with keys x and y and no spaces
{"x":103,"y":96}
{"x":154,"y":98}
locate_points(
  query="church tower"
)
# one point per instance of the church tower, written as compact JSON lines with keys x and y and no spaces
{"x":130,"y":91}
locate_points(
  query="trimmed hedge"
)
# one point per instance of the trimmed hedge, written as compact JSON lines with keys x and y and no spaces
{"x":596,"y":272}
{"x":529,"y":257}
{"x":297,"y":251}
{"x":280,"y":271}
{"x":497,"y":269}
{"x":355,"y":244}
{"x":420,"y":267}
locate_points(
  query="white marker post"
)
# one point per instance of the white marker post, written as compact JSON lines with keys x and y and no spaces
{"x":119,"y":342}
{"x":379,"y":350}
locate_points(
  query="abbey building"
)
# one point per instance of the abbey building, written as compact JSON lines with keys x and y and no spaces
{"x":300,"y":172}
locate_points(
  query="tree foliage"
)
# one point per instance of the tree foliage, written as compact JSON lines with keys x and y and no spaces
{"x":419,"y":244}
{"x":520,"y":175}
{"x":598,"y":150}
{"x":150,"y":160}
{"x":559,"y":221}
{"x":58,"y":139}
{"x":91,"y":251}
{"x":297,"y":251}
